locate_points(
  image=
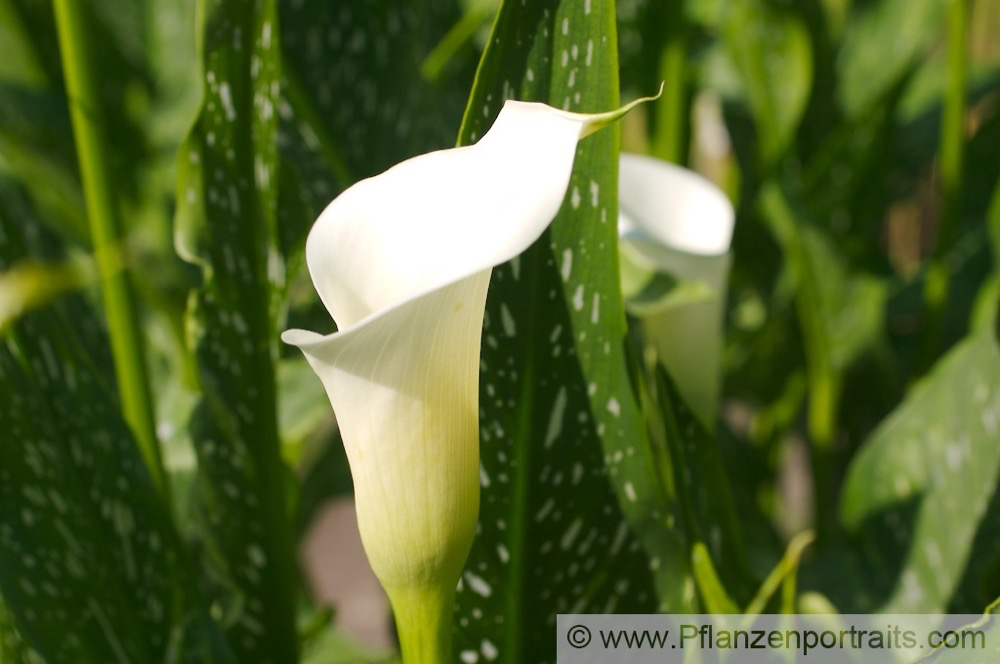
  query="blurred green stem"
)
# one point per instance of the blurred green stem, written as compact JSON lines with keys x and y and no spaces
{"x":668,"y":137}
{"x":116,"y":289}
{"x":433,"y":65}
{"x":938,"y":282}
{"x":823,"y":378}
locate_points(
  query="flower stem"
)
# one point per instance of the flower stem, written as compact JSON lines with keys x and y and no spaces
{"x":423,"y":619}
{"x":116,"y":289}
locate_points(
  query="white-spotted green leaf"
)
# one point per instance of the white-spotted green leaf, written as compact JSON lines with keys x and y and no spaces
{"x":354,"y":101}
{"x":226,"y":225}
{"x":921,"y":493}
{"x":90,"y":566}
{"x":557,"y":412}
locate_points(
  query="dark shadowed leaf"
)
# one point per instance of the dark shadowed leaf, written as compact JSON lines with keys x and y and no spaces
{"x":355,"y":102}
{"x":227,"y":195}
{"x":91,"y":568}
{"x":13,"y":648}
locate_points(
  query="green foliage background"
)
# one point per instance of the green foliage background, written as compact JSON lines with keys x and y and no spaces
{"x":160,"y":521}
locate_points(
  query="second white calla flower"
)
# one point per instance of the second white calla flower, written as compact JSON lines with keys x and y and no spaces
{"x":676,"y":222}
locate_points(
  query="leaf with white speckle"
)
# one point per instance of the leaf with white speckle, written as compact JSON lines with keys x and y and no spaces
{"x":556,"y":406}
{"x":354,"y":101}
{"x":921,"y":495}
{"x":91,"y":568}
{"x":226,"y":222}
{"x":700,"y":488}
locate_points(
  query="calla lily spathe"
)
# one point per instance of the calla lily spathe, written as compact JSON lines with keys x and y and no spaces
{"x":672,"y":220}
{"x":402,"y":262}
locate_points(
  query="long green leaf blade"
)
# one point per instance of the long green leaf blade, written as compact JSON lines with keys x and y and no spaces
{"x":226,"y":217}
{"x":554,"y":384}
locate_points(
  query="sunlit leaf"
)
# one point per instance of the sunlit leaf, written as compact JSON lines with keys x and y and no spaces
{"x":555,"y":398}
{"x":923,"y":485}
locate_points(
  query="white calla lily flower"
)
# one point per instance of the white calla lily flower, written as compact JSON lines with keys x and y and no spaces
{"x":402,"y":262}
{"x":674,"y":221}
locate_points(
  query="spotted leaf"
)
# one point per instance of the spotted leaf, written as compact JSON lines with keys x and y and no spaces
{"x":921,"y":495}
{"x":556,"y":407}
{"x":91,"y":569}
{"x":226,"y":220}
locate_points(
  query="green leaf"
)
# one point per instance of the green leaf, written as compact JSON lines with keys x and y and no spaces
{"x":851,"y":303}
{"x":13,"y":649}
{"x":713,"y":593}
{"x":172,"y":65}
{"x":356,"y":101}
{"x":700,"y":488}
{"x":36,"y":140}
{"x":90,"y":566}
{"x":36,"y":145}
{"x":921,"y":487}
{"x":227,"y":226}
{"x":771,"y":50}
{"x":884,"y":41}
{"x":659,"y":291}
{"x":89,"y":562}
{"x":18,"y":60}
{"x":558,"y":415}
{"x":29,"y":285}
{"x":782,"y":576}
